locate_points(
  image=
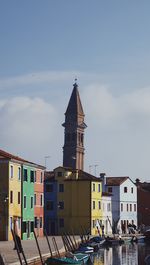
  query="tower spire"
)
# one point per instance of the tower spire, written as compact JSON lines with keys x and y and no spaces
{"x":73,"y":150}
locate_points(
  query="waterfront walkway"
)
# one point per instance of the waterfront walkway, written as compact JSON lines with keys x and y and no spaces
{"x":30,"y":249}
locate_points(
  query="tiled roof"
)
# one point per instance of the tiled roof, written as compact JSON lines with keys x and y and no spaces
{"x":115,"y":181}
{"x":4,"y":154}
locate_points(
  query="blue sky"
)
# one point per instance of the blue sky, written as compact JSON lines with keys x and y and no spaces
{"x":44,"y":45}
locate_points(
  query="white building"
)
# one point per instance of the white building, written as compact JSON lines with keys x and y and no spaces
{"x":124,"y":201}
{"x":107,"y":212}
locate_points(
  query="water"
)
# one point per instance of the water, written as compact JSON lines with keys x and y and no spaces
{"x":127,"y":254}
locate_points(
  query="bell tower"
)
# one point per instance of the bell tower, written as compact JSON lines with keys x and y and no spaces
{"x":73,"y":150}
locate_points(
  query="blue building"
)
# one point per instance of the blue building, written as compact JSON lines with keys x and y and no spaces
{"x":50,"y":204}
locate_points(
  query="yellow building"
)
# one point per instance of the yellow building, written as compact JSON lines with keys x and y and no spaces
{"x":78,"y":200}
{"x":10,"y":193}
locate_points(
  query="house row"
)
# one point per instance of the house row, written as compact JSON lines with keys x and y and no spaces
{"x":21,"y":196}
{"x":76,"y":201}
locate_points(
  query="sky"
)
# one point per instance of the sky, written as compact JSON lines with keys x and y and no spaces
{"x":44,"y":46}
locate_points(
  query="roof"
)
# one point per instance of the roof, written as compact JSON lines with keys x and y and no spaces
{"x":4,"y":154}
{"x":115,"y":181}
{"x":74,"y":105}
{"x":49,"y":175}
{"x":84,"y":176}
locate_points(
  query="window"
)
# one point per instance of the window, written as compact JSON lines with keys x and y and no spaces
{"x":34,"y":199}
{"x":36,"y":222}
{"x":41,"y":222}
{"x":135,"y":207}
{"x":93,"y":186}
{"x":31,"y":176}
{"x":99,"y":205}
{"x":130,"y":207}
{"x":93,"y":223}
{"x":125,"y":190}
{"x":19,"y":173}
{"x":19,"y":222}
{"x":18,"y":197}
{"x":31,"y":202}
{"x":82,"y":137}
{"x":108,"y":207}
{"x":61,"y":222}
{"x":131,"y":189}
{"x":32,"y":226}
{"x":121,"y":207}
{"x":99,"y":187}
{"x":11,"y":223}
{"x":41,"y":200}
{"x":49,"y":187}
{"x":11,"y":196}
{"x":61,"y":187}
{"x":93,"y":205}
{"x":49,"y":205}
{"x":59,"y":174}
{"x":25,"y":176}
{"x":34,"y":176}
{"x":41,"y":178}
{"x":24,"y":227}
{"x":11,"y":171}
{"x":110,"y":189}
{"x":61,"y":205}
{"x":127,"y":207}
{"x":24,"y":201}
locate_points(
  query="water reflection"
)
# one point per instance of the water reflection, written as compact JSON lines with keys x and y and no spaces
{"x":127,"y":254}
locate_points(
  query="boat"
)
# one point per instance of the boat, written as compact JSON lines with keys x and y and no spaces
{"x":85,"y":249}
{"x":78,"y":258}
{"x":147,"y":235}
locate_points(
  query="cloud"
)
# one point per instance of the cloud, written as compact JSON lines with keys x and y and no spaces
{"x":28,"y":127}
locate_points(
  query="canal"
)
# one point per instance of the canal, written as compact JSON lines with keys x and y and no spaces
{"x":127,"y":254}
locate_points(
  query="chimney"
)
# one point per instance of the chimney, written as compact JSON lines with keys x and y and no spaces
{"x":103,"y":178}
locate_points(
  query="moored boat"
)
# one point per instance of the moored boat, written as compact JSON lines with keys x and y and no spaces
{"x":78,"y":258}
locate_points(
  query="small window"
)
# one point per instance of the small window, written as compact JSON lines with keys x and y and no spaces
{"x":110,"y":189}
{"x":18,"y":197}
{"x":49,"y":187}
{"x":11,"y":171}
{"x":11,"y":196}
{"x":25,"y":176}
{"x":24,"y":202}
{"x":41,"y":222}
{"x":99,"y":205}
{"x":134,"y":207}
{"x":31,"y":176}
{"x":19,"y":173}
{"x":41,"y":178}
{"x":121,"y":207}
{"x":41,"y":200}
{"x":130,"y":207}
{"x":131,"y":189}
{"x":127,"y":207}
{"x":34,"y":199}
{"x":35,"y":222}
{"x":59,"y":174}
{"x":99,"y":187}
{"x":49,"y":205}
{"x":93,"y":205}
{"x":34,"y":176}
{"x":125,"y":190}
{"x":32,"y":226}
{"x":31,"y":202}
{"x":61,"y":205}
{"x":61,"y":222}
{"x":61,"y":187}
{"x":24,"y":227}
{"x":93,"y":186}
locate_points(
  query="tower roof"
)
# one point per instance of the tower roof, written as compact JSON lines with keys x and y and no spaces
{"x":74,"y":105}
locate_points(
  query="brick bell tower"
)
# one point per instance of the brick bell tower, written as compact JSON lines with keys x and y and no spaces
{"x":73,"y":150}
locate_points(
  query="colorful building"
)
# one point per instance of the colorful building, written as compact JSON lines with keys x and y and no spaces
{"x":17,"y":195}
